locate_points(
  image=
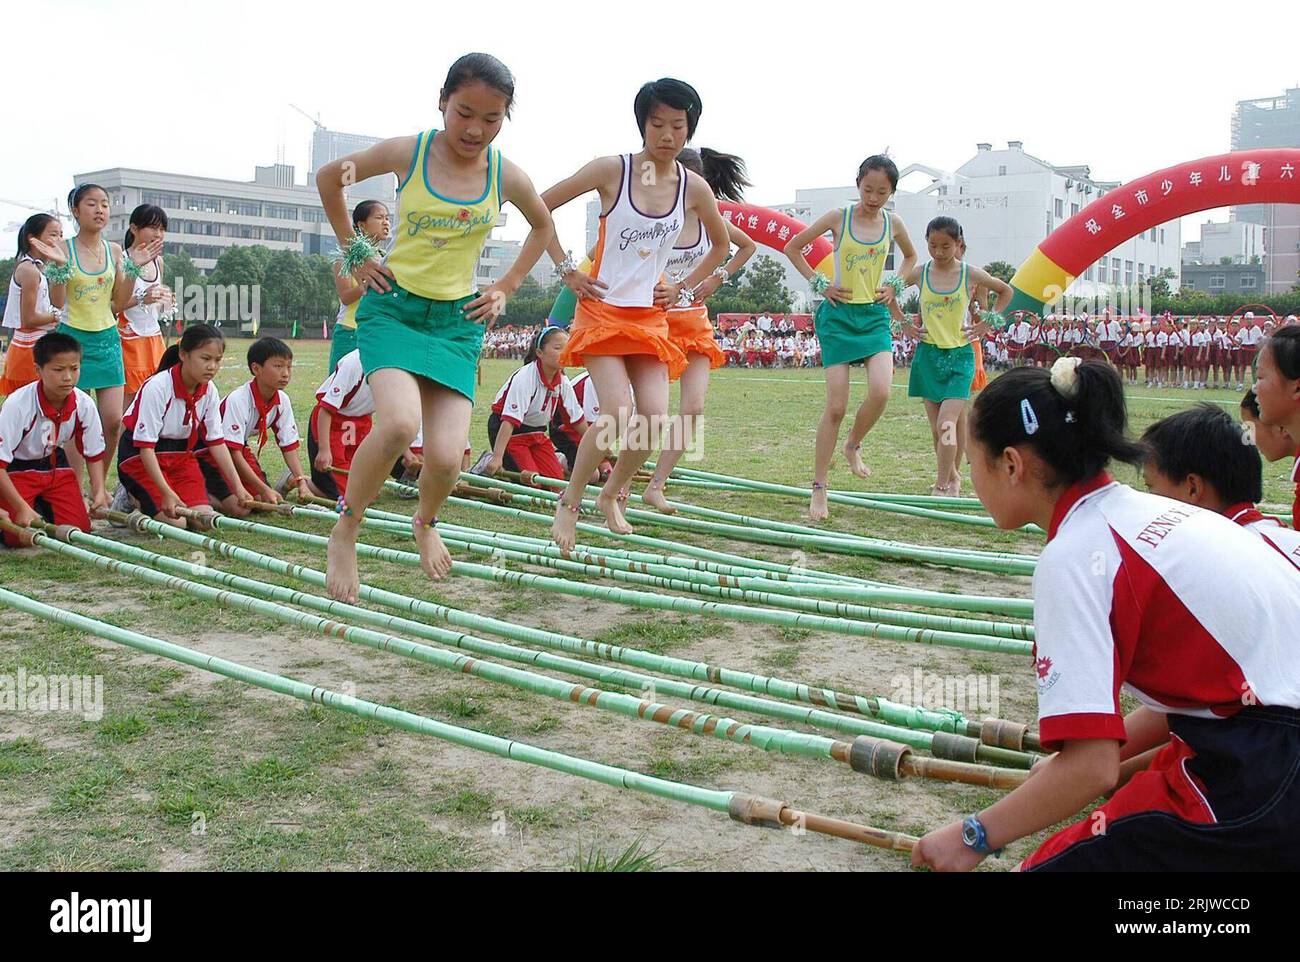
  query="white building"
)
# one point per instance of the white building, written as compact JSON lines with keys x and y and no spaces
{"x":1239,"y":241}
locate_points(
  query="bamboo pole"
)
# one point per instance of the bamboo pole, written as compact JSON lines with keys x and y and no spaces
{"x":718,"y":801}
{"x":1002,"y":740}
{"x":647,"y":599}
{"x":727,"y":729}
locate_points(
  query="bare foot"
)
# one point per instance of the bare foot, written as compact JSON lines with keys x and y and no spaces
{"x":818,"y":510}
{"x":341,"y":579}
{"x":954,"y":484}
{"x":853,"y":452}
{"x":435,"y":560}
{"x":653,"y":495}
{"x":612,"y":510}
{"x":564,"y":528}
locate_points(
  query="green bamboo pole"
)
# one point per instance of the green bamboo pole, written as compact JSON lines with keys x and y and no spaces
{"x":876,"y":707}
{"x":727,"y":729}
{"x":764,"y":530}
{"x":741,"y":807}
{"x":749,"y":484}
{"x":988,"y":604}
{"x":806,"y":598}
{"x":859,"y":501}
{"x":646,"y":599}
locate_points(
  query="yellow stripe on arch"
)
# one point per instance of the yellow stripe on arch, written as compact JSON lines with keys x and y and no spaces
{"x":1039,"y":279}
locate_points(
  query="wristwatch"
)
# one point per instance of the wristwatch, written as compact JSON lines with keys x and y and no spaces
{"x":975,"y":838}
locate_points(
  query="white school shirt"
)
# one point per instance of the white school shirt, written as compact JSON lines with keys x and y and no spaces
{"x":158,"y":413}
{"x":27,"y":426}
{"x":633,"y":247}
{"x":1021,"y":332}
{"x":1162,"y":339}
{"x":528,"y":400}
{"x":1253,"y":335}
{"x":243,"y":420}
{"x":345,"y":392}
{"x":1112,"y":330}
{"x":584,"y":389}
{"x":1172,"y":603}
{"x":1200,"y":339}
{"x":1286,"y":541}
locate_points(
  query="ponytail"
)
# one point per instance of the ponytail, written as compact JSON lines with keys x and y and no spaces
{"x":1074,"y":418}
{"x":146,"y":215}
{"x":195,"y":336}
{"x":724,"y":173}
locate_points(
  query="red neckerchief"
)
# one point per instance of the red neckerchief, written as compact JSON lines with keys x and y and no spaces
{"x":1243,"y":514}
{"x":191,"y":405}
{"x":58,"y":416}
{"x":262,"y":412}
{"x":1073,"y":494}
{"x":552,"y":384}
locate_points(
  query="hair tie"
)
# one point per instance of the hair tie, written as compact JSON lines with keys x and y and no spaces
{"x":1065,"y":376}
{"x":1028,"y":417}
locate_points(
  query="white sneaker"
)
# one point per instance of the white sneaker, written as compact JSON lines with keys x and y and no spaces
{"x":482,"y":462}
{"x":282,"y":484}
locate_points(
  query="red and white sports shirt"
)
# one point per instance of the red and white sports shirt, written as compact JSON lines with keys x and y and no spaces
{"x":28,"y":426}
{"x":529,"y":400}
{"x":247,"y":419}
{"x":1184,"y":609}
{"x":345,"y":391}
{"x":163,"y":411}
{"x":1285,"y":540}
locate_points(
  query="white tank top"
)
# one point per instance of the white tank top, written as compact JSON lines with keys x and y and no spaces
{"x":684,"y":260}
{"x":634,"y":247}
{"x":13,"y":306}
{"x":143,"y":318}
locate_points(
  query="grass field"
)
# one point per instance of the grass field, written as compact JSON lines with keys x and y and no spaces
{"x":186,"y":770}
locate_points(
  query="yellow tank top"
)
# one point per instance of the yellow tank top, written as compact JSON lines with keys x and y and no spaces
{"x":90,"y":296}
{"x":439,"y":239}
{"x":348,"y":316}
{"x":858,"y":266}
{"x":944,"y":313}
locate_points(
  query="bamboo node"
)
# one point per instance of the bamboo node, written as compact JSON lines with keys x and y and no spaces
{"x":957,"y":748}
{"x":878,"y":756}
{"x":756,"y":810}
{"x":1001,"y":733}
{"x":64,"y":532}
{"x":136,"y":521}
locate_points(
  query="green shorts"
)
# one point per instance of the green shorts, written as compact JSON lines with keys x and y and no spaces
{"x":342,"y":342}
{"x":431,"y":339}
{"x":940,"y":374}
{"x":852,"y":332}
{"x":101,"y":357}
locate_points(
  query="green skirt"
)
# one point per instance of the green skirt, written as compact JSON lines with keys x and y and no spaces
{"x":343,"y":341}
{"x":940,"y":374}
{"x":101,"y":357}
{"x":431,"y":339}
{"x":852,"y":332}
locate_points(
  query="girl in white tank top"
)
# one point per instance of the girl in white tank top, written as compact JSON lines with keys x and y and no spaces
{"x":19,"y":364}
{"x":620,"y":326}
{"x":689,"y":328}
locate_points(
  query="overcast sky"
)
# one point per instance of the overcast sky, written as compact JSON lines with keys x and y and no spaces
{"x":803,"y":91}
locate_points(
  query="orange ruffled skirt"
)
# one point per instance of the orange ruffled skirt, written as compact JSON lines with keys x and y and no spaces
{"x":140,"y":356}
{"x":603,"y":330}
{"x":20,"y":359}
{"x":981,"y":379}
{"x":692,"y":331}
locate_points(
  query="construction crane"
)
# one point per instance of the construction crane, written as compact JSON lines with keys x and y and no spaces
{"x":315,"y":120}
{"x":52,"y":209}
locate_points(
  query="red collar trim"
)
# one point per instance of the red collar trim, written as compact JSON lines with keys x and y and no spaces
{"x":552,"y":384}
{"x":1072,"y":496}
{"x":1243,"y":514}
{"x":47,"y":407}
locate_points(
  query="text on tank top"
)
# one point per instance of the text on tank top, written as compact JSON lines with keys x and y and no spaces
{"x":858,"y":265}
{"x":634,"y":247}
{"x":90,"y":296}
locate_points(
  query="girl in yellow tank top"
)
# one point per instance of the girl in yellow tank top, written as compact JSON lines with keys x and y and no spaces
{"x":420,"y":323}
{"x":944,"y":363}
{"x":91,"y":279}
{"x":370,"y":217}
{"x":852,"y":321}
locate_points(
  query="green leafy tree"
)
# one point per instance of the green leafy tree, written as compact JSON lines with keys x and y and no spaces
{"x":1001,"y":270}
{"x":287,"y":286}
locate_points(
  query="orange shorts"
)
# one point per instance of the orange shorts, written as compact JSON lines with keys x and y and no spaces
{"x":20,"y":365}
{"x":140,"y":356}
{"x":692,"y":332}
{"x":603,"y":330}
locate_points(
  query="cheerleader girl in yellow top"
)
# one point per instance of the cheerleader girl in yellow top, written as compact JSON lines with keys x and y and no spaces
{"x":370,"y":217}
{"x":852,"y":323}
{"x":944,"y":363}
{"x":620,"y":329}
{"x":421,"y":322}
{"x":91,"y":279}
